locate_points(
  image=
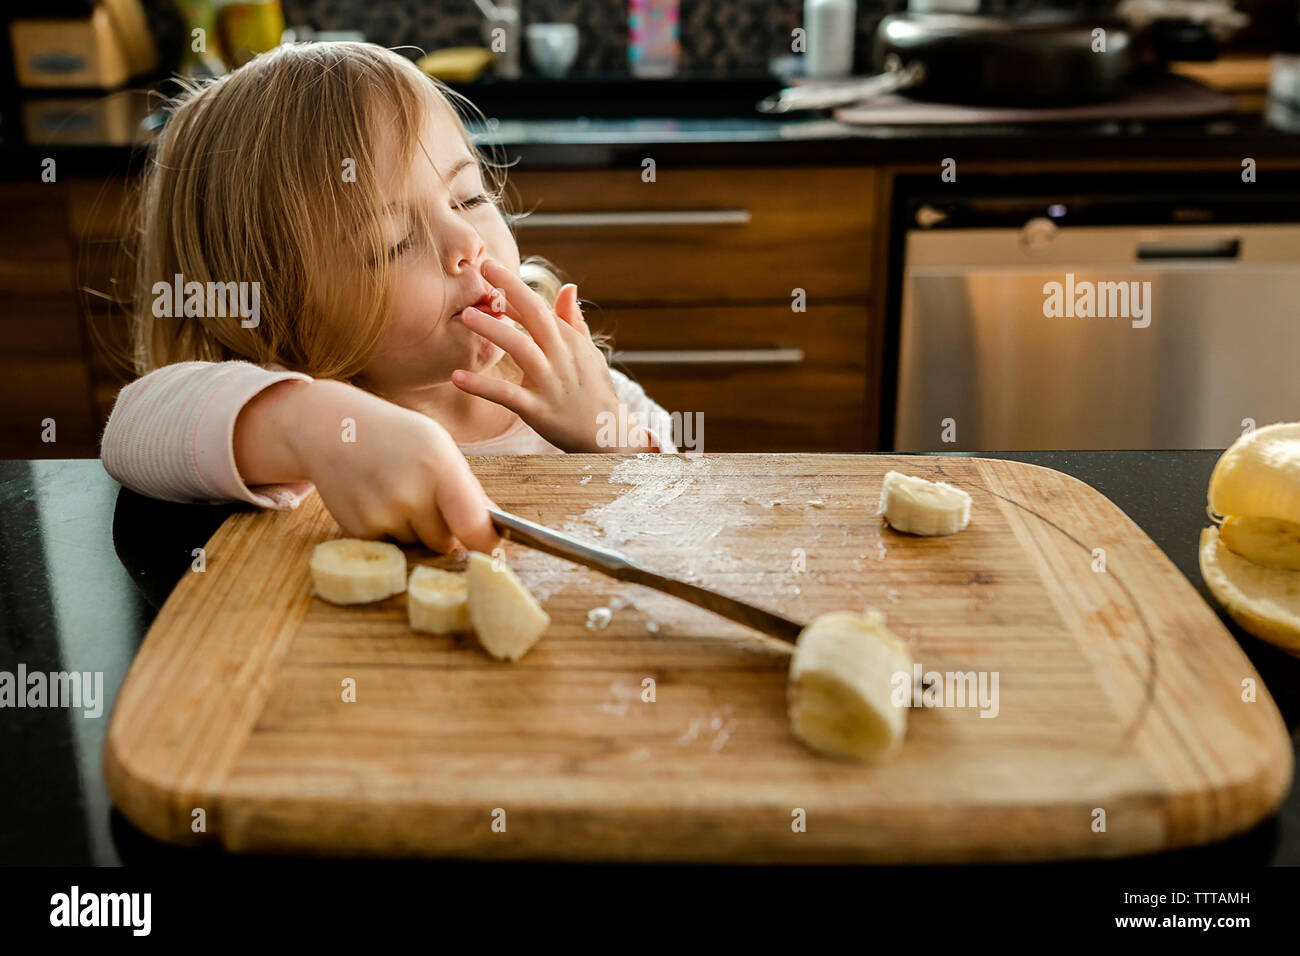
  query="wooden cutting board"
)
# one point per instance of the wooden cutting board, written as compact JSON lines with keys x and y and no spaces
{"x":1120,"y":723}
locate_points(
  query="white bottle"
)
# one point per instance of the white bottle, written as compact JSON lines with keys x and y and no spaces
{"x":829,"y":26}
{"x":507,"y":63}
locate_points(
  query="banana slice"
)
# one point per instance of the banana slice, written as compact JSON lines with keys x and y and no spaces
{"x":917,"y":506}
{"x":1265,"y":601}
{"x":506,"y":618}
{"x":437,"y":600}
{"x":1259,"y":476}
{"x":841,"y":681}
{"x":353,"y":571}
{"x":1270,"y":542}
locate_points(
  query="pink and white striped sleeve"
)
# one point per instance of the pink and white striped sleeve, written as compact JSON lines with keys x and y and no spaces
{"x":171,"y":434}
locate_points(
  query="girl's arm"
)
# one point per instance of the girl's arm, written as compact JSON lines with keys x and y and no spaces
{"x":205,"y":431}
{"x":171,"y":435}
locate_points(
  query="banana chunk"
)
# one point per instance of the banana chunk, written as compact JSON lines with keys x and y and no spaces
{"x":437,"y":601}
{"x":1270,"y":542}
{"x":1259,"y":476}
{"x":840,"y":686}
{"x":917,"y":506}
{"x":1265,"y":601}
{"x":353,"y":571}
{"x":506,"y":618}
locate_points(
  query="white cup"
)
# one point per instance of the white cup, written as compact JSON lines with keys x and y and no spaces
{"x":552,"y":47}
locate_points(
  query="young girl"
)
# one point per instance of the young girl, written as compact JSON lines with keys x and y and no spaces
{"x":333,"y":185}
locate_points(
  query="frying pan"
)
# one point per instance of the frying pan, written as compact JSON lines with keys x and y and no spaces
{"x":1037,"y":58}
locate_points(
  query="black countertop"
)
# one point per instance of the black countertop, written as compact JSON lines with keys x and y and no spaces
{"x":739,"y":139}
{"x":85,"y":565}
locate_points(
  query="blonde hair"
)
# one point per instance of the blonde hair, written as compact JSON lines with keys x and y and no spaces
{"x":246,"y":183}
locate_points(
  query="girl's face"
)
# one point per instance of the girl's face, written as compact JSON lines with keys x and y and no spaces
{"x":425,"y":340}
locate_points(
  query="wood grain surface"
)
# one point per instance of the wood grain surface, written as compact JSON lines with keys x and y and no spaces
{"x":1120,"y":694}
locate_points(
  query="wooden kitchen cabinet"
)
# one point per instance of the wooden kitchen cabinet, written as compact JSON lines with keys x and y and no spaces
{"x":703,"y":235}
{"x":44,"y":360}
{"x":763,"y":378}
{"x":695,"y":276}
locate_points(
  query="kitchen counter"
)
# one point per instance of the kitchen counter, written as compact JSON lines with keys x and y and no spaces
{"x":85,"y":565}
{"x":810,"y":139}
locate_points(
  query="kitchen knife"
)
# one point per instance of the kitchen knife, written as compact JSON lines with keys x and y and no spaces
{"x":615,"y":565}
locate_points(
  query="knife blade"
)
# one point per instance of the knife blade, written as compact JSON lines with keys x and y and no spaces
{"x":619,"y":566}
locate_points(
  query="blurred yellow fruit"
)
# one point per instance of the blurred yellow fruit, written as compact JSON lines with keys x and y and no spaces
{"x":456,"y":64}
{"x":1265,"y":601}
{"x":1259,"y":476}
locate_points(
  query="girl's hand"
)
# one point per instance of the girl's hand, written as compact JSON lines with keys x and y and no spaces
{"x":566,"y":387}
{"x":389,"y":471}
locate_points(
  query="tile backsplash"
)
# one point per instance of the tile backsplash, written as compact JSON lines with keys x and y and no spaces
{"x":723,"y":37}
{"x":717,"y":36}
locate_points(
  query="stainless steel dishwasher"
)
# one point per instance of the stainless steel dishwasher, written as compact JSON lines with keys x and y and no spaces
{"x":1021,"y":322}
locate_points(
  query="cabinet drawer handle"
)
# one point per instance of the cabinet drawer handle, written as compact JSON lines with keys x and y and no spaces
{"x":709,"y":356}
{"x":1209,"y":249}
{"x":610,"y":220}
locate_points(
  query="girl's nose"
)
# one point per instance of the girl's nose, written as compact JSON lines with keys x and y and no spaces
{"x":472,"y":263}
{"x":465,"y":249}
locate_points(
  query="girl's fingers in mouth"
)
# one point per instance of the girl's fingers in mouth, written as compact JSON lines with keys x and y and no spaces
{"x":524,"y":306}
{"x":522,"y":349}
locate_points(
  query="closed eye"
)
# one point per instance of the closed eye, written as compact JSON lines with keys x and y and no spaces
{"x":406,"y":244}
{"x":401,"y":247}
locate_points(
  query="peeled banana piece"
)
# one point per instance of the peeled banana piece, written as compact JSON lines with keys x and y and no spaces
{"x":1270,"y":542}
{"x":506,"y":618}
{"x":353,"y":571}
{"x":1259,"y":476}
{"x":841,"y":683}
{"x":1263,"y":600}
{"x":917,"y":506}
{"x":437,"y":601}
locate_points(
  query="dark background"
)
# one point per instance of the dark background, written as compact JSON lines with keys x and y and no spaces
{"x":717,"y":36}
